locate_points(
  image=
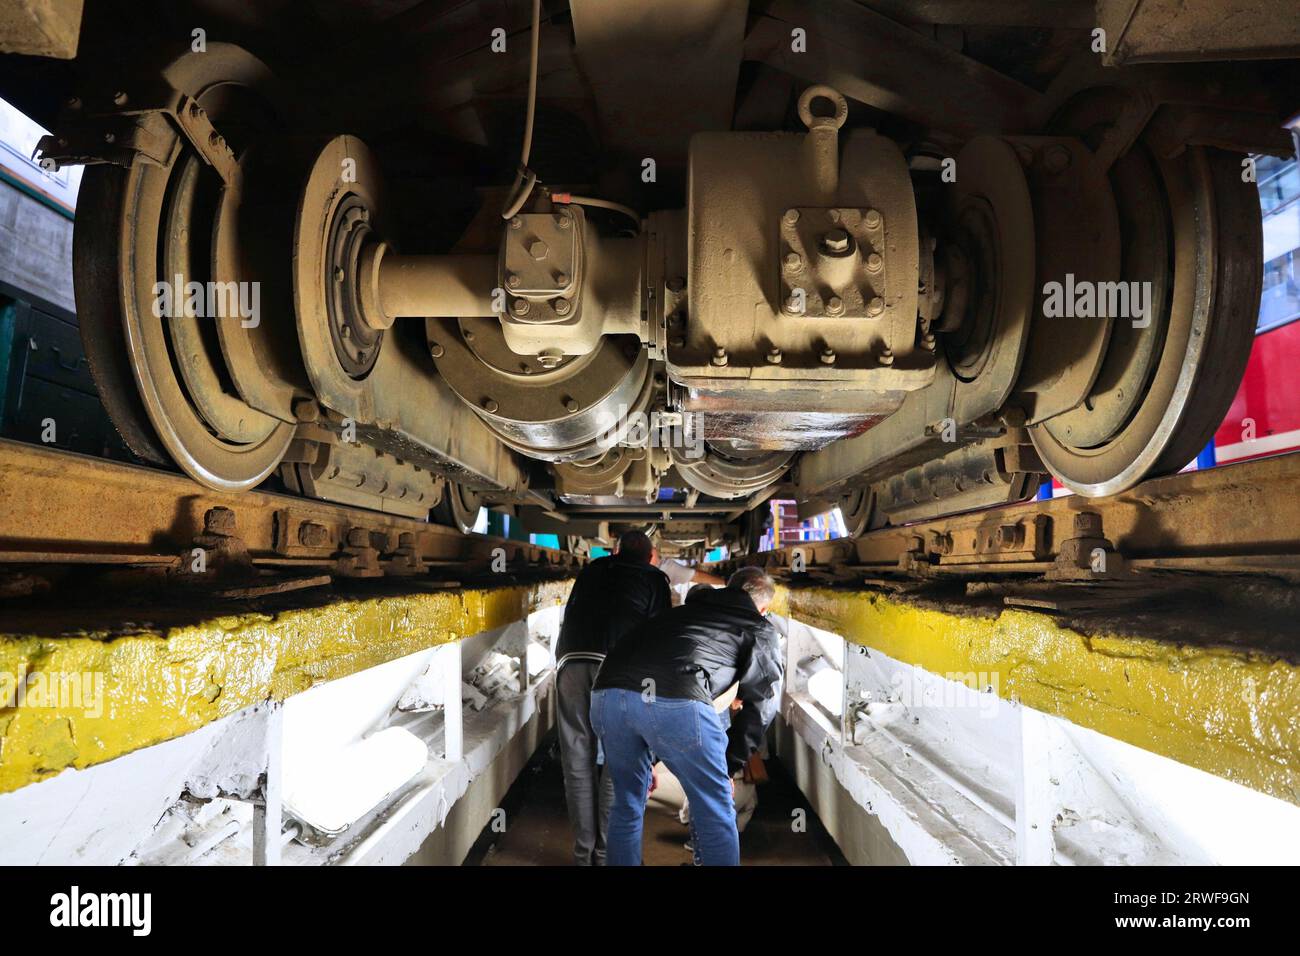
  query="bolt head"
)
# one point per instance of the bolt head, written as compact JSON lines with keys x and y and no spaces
{"x":793,"y":261}
{"x":834,"y":305}
{"x":886,"y":356}
{"x":872,"y":219}
{"x":436,"y":350}
{"x":563,"y":306}
{"x":836,"y":240}
{"x":516,"y":223}
{"x":774,"y":356}
{"x":561,"y":278}
{"x":512,"y":281}
{"x":562,"y":220}
{"x":538,"y":249}
{"x":490,"y":406}
{"x":570,"y":405}
{"x":120,"y":98}
{"x":876,"y":306}
{"x":520,"y":307}
{"x":828,"y":356}
{"x":719,"y":357}
{"x":791,"y":216}
{"x":874,"y":262}
{"x":550,"y":359}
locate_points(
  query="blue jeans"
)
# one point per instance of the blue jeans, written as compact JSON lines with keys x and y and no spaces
{"x":687,"y":736}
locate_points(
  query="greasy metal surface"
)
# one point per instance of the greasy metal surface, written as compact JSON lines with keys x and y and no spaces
{"x":1237,"y":515}
{"x":683,"y":80}
{"x":872,"y":59}
{"x":1140,"y":31}
{"x":139,"y":513}
{"x":1229,"y":711}
{"x":161,"y":680}
{"x":48,"y":28}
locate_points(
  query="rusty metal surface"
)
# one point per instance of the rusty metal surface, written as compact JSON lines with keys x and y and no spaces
{"x":57,"y":507}
{"x":46,"y":28}
{"x":1142,"y":31}
{"x":1237,"y":518}
{"x":872,"y":59}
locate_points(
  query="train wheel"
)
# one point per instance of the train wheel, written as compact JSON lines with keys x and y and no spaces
{"x":458,"y":509}
{"x":157,"y":363}
{"x":1191,"y":228}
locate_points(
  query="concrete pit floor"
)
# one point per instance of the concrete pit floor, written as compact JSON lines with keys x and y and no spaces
{"x":538,"y":834}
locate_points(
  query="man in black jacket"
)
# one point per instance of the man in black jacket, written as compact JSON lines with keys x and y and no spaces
{"x":654,"y":693}
{"x":612,"y":596}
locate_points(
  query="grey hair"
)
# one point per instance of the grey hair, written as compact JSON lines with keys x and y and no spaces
{"x":756,"y":583}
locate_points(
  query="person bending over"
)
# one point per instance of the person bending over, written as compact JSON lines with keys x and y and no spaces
{"x":654,"y":694}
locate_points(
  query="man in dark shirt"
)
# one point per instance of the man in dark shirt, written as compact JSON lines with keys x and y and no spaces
{"x":612,"y":596}
{"x":654,"y":693}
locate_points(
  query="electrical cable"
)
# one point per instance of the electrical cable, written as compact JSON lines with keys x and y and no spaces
{"x":525,"y":178}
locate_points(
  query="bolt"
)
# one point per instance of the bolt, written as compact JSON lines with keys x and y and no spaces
{"x":793,"y":261}
{"x":549,"y":359}
{"x":886,"y":356}
{"x":216,"y":141}
{"x":828,"y":356}
{"x":1087,"y":524}
{"x":874,"y":262}
{"x":490,"y":406}
{"x":1057,"y":158}
{"x":74,"y":102}
{"x":195,"y":110}
{"x":358,"y":538}
{"x":927,"y":341}
{"x":436,"y":350}
{"x":562,"y":306}
{"x":538,"y":249}
{"x":512,"y":281}
{"x":791,"y":216}
{"x":792,"y":304}
{"x":562,"y":220}
{"x":561,"y":278}
{"x":338,"y":274}
{"x":719,"y":356}
{"x":120,"y":98}
{"x":516,"y":223}
{"x":774,"y":356}
{"x":837,"y":240}
{"x":520,"y":307}
{"x":306,"y":410}
{"x":345,"y":332}
{"x":219,"y":521}
{"x":872,"y":219}
{"x":570,"y":404}
{"x":313,"y":535}
{"x":469,"y":336}
{"x":109,"y":138}
{"x":835,"y":305}
{"x":876,"y":306}
{"x":833,"y":215}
